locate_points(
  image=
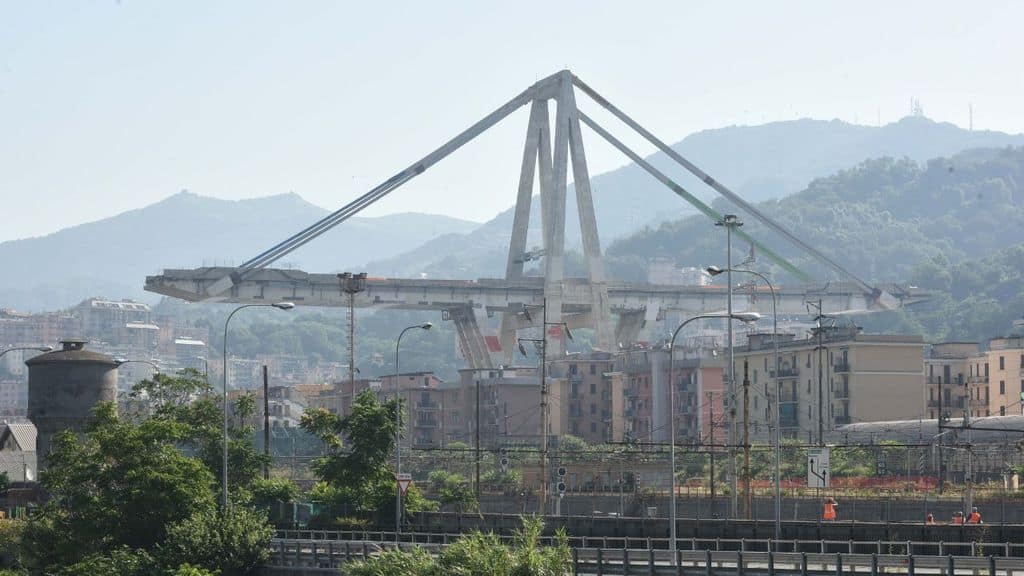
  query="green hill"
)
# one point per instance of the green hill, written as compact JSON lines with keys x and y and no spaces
{"x":879,"y":219}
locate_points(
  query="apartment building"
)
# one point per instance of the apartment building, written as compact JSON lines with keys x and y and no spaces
{"x":835,"y":376}
{"x":698,"y":377}
{"x":587,"y":398}
{"x":996,"y":378}
{"x":946,"y":368}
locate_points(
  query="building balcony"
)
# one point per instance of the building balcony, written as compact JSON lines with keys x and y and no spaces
{"x":428,"y":406}
{"x":427,"y":423}
{"x":842,"y":420}
{"x":841,"y":392}
{"x":978,"y":379}
{"x":840,"y":367}
{"x":787,"y":373}
{"x":939,"y":380}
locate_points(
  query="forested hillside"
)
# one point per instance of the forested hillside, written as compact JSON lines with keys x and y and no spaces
{"x":976,"y":299}
{"x":880,"y":219}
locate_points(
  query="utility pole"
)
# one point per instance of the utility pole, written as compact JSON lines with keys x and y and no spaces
{"x":821,"y":390}
{"x":477,"y":458}
{"x":746,"y":440}
{"x":730,"y":221}
{"x":543,"y":342}
{"x":711,"y":451}
{"x":544,"y":412}
{"x":266,"y":423}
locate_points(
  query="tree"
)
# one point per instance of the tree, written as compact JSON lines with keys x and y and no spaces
{"x":360,"y":477}
{"x":134,"y":497}
{"x":453,"y":490}
{"x":121,"y":484}
{"x":184,"y":400}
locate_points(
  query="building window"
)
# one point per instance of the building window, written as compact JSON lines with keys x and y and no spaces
{"x":593,"y":388}
{"x":1002,"y":363}
{"x":593,"y":369}
{"x":593,"y":427}
{"x":593,"y":408}
{"x":1002,"y":386}
{"x":808,"y":360}
{"x":755,"y":376}
{"x":1002,"y":410}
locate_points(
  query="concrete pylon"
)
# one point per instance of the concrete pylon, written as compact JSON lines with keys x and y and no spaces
{"x":548,"y":156}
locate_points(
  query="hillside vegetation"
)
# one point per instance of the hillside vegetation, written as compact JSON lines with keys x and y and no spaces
{"x":879,"y":219}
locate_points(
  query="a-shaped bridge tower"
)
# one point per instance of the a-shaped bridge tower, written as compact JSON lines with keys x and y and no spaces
{"x":616,"y":311}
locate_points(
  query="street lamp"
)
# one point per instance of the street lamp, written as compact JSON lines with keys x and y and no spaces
{"x":742,"y":317}
{"x":122,"y":361}
{"x":715,"y":271}
{"x":398,"y":427}
{"x":224,"y":472}
{"x":32,"y":348}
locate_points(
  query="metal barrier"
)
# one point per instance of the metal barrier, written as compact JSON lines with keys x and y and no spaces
{"x":325,"y":556}
{"x":893,"y":547}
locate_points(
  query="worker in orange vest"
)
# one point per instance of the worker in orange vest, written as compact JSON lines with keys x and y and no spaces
{"x":831,"y":509}
{"x":974,"y":517}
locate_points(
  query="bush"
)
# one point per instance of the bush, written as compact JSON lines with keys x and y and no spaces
{"x":478,"y":554}
{"x":232,"y":545}
{"x":417,"y":562}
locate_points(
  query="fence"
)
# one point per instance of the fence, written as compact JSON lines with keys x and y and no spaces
{"x":325,"y":556}
{"x":891,"y":482}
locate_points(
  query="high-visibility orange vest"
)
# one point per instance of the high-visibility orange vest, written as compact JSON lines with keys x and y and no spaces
{"x":830,"y":511}
{"x":974,"y":518}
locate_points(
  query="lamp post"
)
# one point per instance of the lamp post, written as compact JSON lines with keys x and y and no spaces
{"x":398,"y":426}
{"x":32,"y":348}
{"x":730,"y":221}
{"x":741,"y":316}
{"x":777,"y":442}
{"x":224,"y":472}
{"x":123,"y":361}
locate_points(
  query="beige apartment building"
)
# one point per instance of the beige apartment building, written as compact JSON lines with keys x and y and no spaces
{"x":835,"y":376}
{"x":946,"y":369}
{"x":586,"y":398}
{"x":996,"y":378}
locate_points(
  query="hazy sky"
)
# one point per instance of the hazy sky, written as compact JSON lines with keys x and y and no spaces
{"x":108,"y":106}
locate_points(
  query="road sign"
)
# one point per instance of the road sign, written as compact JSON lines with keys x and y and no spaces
{"x":404,"y":481}
{"x":818,"y":467}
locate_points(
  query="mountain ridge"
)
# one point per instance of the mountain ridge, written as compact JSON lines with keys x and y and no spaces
{"x":762,"y":162}
{"x":104,"y":257}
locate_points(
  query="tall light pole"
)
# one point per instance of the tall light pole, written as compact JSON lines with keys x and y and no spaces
{"x":224,"y":472}
{"x":777,"y":442}
{"x":352,"y":284}
{"x":743,"y":317}
{"x":730,"y":221}
{"x":398,"y":426}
